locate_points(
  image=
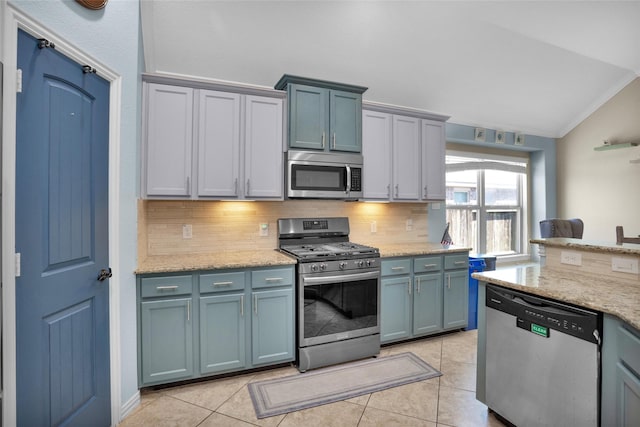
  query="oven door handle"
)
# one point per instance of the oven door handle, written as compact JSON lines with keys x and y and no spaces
{"x":341,"y":278}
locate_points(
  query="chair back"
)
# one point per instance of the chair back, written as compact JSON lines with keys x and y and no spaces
{"x":620,"y":239}
{"x":555,"y":227}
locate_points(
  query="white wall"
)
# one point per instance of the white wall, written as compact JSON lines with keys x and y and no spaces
{"x":602,"y":187}
{"x":111,"y":36}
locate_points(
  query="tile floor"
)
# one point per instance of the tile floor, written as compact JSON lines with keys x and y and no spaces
{"x":439,"y":402}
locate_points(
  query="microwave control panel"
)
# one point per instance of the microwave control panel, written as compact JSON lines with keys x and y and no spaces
{"x":356,"y":179}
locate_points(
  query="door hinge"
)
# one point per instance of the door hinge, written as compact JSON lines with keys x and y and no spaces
{"x":19,"y":80}
{"x":17,"y":264}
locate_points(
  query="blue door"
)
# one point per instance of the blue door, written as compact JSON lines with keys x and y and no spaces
{"x":62,"y":308}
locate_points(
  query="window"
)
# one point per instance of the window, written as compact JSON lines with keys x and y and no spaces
{"x":486,"y":203}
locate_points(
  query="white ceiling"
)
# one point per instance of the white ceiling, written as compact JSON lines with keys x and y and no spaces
{"x":536,"y":67}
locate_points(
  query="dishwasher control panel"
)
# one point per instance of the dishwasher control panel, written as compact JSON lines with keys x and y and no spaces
{"x":541,"y":316}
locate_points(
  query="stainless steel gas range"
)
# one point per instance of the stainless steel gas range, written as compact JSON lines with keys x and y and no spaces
{"x":337,"y":291}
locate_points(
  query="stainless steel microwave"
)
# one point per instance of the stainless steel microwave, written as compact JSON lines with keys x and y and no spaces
{"x":323,"y":175}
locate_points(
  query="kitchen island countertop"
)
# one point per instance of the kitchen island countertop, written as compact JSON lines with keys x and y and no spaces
{"x":616,"y":297}
{"x":589,"y":245}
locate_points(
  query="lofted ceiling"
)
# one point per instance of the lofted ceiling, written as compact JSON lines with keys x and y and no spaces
{"x":538,"y":67}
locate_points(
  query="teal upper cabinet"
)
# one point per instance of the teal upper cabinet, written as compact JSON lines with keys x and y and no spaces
{"x":323,"y":115}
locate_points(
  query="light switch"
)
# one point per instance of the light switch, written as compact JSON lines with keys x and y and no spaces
{"x":264,"y":229}
{"x":571,"y":258}
{"x":187,"y":231}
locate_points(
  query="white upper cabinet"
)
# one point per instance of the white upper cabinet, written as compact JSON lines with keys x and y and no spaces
{"x":404,"y":155}
{"x":233,"y":141}
{"x":263,"y":148}
{"x":433,"y":160}
{"x":376,"y":151}
{"x":406,"y":158}
{"x":218,"y":144}
{"x":168,"y":135}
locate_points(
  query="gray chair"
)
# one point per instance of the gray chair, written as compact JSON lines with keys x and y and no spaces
{"x":620,"y":238}
{"x":562,"y":228}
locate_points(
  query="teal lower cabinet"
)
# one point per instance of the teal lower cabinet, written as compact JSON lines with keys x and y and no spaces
{"x":272,"y":326}
{"x":620,"y":398}
{"x":222,"y":320}
{"x":456,"y":296}
{"x":427,"y":303}
{"x":395,"y":308}
{"x":241,"y":319}
{"x":419,"y":298}
{"x":167,"y":340}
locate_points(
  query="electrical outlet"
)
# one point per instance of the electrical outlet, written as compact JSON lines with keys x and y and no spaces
{"x":187,"y":231}
{"x":264,"y":229}
{"x":571,"y":258}
{"x":409,"y":224}
{"x":435,"y":206}
{"x":624,"y":265}
{"x":374,"y":227}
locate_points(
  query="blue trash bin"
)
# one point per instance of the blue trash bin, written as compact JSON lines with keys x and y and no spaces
{"x":475,"y":265}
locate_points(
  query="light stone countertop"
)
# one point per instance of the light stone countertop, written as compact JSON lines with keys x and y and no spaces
{"x":213,"y":261}
{"x":266,"y":258}
{"x":588,"y":245}
{"x":615,"y":297}
{"x":413,"y":249}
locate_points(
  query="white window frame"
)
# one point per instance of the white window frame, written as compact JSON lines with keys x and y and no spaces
{"x":522,"y":235}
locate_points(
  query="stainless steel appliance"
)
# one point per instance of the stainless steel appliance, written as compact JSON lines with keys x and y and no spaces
{"x":337,"y":291}
{"x":320,"y":175}
{"x":542,"y":360}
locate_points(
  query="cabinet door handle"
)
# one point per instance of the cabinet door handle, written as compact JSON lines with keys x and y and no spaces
{"x":460,"y":262}
{"x":418,"y":283}
{"x":409,"y":286}
{"x":188,"y":310}
{"x":323,"y":140}
{"x":235,"y":184}
{"x":449,"y":281}
{"x":248,"y":186}
{"x":334,"y":140}
{"x":388,"y":190}
{"x":255,"y":304}
{"x":397,"y":268}
{"x":241,"y":305}
{"x":273,"y":279}
{"x":425,"y":191}
{"x":430,"y":265}
{"x":397,"y":191}
{"x":167,"y":288}
{"x":188,"y":185}
{"x":222,"y":283}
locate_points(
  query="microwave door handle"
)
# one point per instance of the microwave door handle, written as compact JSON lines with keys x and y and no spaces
{"x":348,"y":179}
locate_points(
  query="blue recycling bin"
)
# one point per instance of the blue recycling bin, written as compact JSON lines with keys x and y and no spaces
{"x":475,"y":265}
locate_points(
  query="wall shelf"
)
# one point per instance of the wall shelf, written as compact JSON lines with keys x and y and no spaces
{"x":614,"y":145}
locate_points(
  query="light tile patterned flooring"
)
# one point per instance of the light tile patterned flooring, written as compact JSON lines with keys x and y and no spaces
{"x":439,"y":402}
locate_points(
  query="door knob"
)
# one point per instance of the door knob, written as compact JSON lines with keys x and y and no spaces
{"x":104,"y":274}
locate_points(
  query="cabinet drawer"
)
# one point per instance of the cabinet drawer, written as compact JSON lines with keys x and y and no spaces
{"x":456,"y":261}
{"x":390,"y":267}
{"x":220,"y":282}
{"x":272,"y":277}
{"x":427,"y":264}
{"x":165,"y":286}
{"x":629,"y":348}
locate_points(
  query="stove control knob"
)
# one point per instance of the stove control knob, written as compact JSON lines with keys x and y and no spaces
{"x":360,"y":263}
{"x":314,"y":267}
{"x":342,"y":265}
{"x":370,"y":262}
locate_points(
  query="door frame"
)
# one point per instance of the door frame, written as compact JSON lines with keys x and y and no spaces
{"x":12,"y":20}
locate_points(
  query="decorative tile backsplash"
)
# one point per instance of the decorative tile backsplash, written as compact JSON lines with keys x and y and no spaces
{"x":221,"y":226}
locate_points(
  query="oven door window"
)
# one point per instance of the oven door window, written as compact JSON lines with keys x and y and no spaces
{"x":340,"y":307}
{"x":327,"y":178}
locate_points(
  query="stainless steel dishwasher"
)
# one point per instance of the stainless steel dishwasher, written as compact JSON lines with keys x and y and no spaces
{"x":542,"y":360}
